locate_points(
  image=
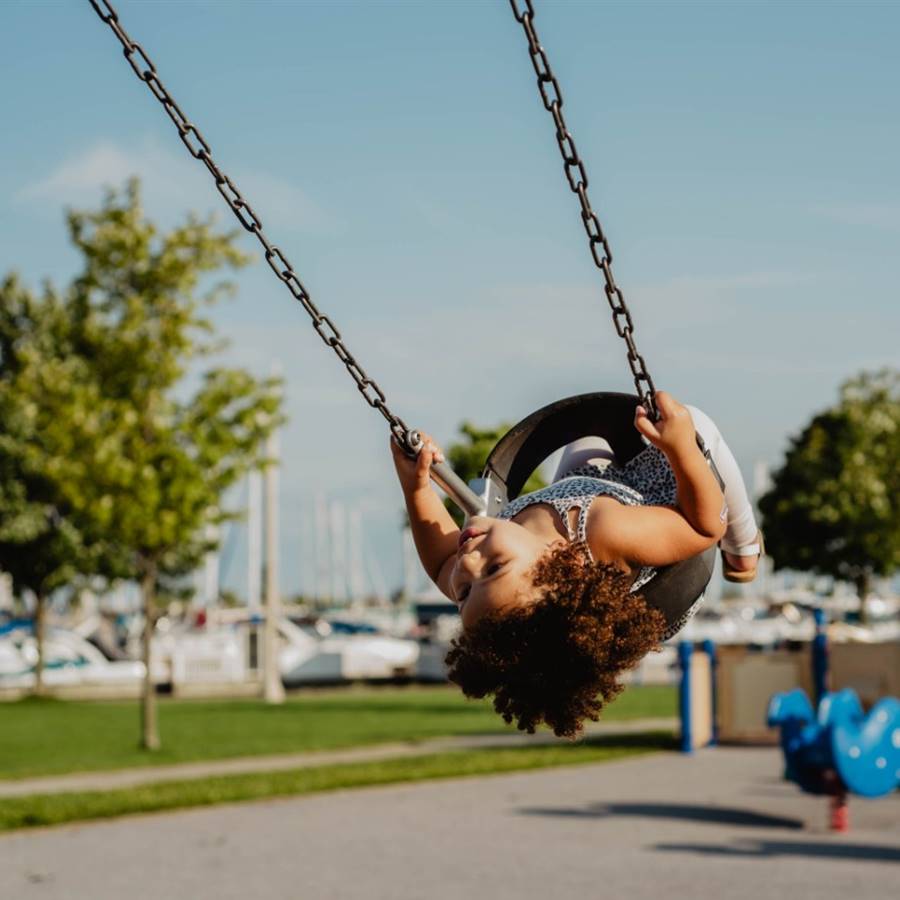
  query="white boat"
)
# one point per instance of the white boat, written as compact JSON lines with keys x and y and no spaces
{"x":312,"y":654}
{"x":69,"y":660}
{"x":227,"y":651}
{"x":199,"y":656}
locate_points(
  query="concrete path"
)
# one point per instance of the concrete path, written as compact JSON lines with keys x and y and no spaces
{"x":124,"y":778}
{"x":719,"y":825}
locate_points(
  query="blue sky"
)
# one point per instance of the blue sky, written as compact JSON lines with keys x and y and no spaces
{"x":743,"y":157}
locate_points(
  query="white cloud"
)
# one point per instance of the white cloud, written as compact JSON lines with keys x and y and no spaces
{"x":516,"y":345}
{"x":172,"y":183}
{"x":81,"y":177}
{"x":103,"y":164}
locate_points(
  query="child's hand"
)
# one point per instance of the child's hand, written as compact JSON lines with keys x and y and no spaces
{"x":674,"y":431}
{"x":414,"y":473}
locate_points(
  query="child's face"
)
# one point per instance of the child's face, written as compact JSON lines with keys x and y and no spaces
{"x":493,"y":567}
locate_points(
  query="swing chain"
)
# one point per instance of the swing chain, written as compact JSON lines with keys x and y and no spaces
{"x":197,"y":146}
{"x":576,"y":175}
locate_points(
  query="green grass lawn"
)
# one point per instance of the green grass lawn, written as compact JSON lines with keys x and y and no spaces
{"x":50,"y":809}
{"x":53,"y":737}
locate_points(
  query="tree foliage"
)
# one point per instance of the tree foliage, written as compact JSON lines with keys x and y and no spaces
{"x":44,"y":401}
{"x":29,"y":402}
{"x":163,"y":461}
{"x":468,"y":456}
{"x":137,"y":462}
{"x":834,"y":505}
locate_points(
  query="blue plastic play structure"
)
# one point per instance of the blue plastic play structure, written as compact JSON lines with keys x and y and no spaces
{"x":838,"y":748}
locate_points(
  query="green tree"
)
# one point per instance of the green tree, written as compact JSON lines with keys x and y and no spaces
{"x":147,"y":481}
{"x":468,"y":456}
{"x":138,"y":303}
{"x":42,"y":408}
{"x":833,"y":505}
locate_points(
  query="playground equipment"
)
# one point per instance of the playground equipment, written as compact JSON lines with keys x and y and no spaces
{"x":675,"y":588}
{"x":838,"y":749}
{"x":698,"y":709}
{"x":744,"y":679}
{"x":835,"y":749}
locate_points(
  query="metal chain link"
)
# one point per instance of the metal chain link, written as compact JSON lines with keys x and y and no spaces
{"x":197,"y":146}
{"x":576,"y":175}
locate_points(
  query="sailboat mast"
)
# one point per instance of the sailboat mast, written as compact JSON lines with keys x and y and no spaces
{"x":254,"y":539}
{"x":273,"y":689}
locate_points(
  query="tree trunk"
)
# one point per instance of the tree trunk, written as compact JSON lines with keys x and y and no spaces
{"x":40,"y":605}
{"x":149,"y":725}
{"x":863,"y":582}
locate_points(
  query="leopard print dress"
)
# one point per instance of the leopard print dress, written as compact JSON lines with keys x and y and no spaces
{"x":647,"y":479}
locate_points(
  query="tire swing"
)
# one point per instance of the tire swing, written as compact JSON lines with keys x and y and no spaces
{"x":674,"y":589}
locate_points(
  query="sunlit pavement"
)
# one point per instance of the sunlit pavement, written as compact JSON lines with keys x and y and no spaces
{"x":720,"y":824}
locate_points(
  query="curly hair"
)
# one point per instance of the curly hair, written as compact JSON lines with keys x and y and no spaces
{"x":557,"y":660}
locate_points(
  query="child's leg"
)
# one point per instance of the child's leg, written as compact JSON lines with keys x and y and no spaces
{"x":741,"y":533}
{"x":585,"y":451}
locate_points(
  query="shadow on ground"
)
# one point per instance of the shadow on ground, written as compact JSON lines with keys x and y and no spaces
{"x":713,"y":815}
{"x":658,"y":739}
{"x":824,"y":850}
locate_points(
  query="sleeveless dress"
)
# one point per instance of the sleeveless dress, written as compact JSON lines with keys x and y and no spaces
{"x":645,"y":480}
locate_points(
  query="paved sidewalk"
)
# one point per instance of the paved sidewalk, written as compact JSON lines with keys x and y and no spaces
{"x":718,"y":825}
{"x":124,"y":778}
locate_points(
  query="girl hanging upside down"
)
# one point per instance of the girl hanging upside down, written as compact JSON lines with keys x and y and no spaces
{"x":549,"y":590}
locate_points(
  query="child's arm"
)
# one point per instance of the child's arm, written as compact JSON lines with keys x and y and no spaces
{"x":642,"y":535}
{"x":700,"y":498}
{"x":434,"y":531}
{"x":658,"y":535}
